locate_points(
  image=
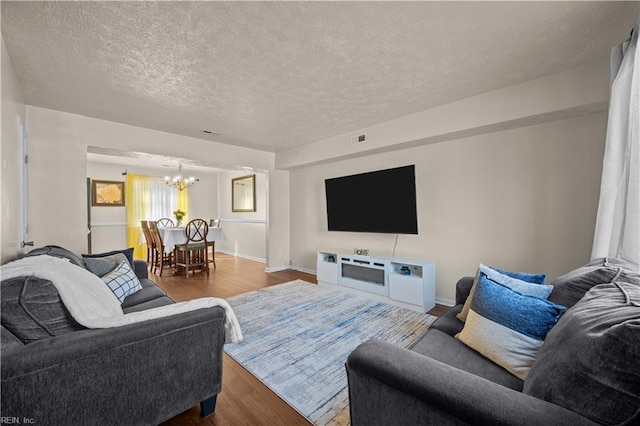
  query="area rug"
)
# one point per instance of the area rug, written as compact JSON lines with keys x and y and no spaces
{"x":297,"y":337}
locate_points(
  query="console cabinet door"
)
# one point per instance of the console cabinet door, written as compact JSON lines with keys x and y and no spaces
{"x":405,"y":289}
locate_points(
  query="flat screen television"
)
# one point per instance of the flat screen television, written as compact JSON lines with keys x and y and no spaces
{"x":382,"y":201}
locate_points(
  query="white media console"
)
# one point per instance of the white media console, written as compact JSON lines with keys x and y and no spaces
{"x":402,"y":282}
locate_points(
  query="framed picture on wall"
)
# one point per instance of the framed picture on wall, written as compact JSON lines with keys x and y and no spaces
{"x":107,"y":193}
{"x":243,"y":194}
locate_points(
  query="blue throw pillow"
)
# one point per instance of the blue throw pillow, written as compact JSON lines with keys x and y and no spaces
{"x":530,"y":289}
{"x":535,"y":287}
{"x":122,"y":281}
{"x":508,"y":327}
{"x":524,"y":276}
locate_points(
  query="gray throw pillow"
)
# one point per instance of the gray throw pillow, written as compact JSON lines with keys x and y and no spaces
{"x":589,"y":361}
{"x":101,"y":266}
{"x":128,"y":252}
{"x":31,"y":309}
{"x":570,"y":287}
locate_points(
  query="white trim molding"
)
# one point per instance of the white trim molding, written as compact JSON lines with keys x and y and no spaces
{"x":244,"y":256}
{"x":269,"y":270}
{"x":305,"y":270}
{"x":445,"y":302}
{"x":243,"y":220}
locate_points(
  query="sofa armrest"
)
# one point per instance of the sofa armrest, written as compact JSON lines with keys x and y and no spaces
{"x":391,"y":385}
{"x":463,"y":288}
{"x":141,"y":373}
{"x":141,"y":270}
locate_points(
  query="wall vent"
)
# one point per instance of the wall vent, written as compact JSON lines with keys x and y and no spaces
{"x":358,"y":139}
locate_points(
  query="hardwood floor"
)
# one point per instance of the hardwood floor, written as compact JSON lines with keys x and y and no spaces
{"x":244,"y":400}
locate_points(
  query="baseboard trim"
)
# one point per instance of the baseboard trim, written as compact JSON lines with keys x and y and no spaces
{"x":294,"y":268}
{"x":269,"y":270}
{"x":244,"y":256}
{"x":445,"y":302}
{"x":305,"y":270}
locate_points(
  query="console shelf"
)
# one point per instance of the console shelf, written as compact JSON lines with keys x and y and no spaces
{"x":408,"y":283}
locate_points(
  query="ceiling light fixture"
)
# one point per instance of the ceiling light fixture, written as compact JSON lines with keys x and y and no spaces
{"x":178,"y":181}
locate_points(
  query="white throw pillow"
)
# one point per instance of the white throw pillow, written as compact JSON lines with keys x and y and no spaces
{"x":122,"y":281}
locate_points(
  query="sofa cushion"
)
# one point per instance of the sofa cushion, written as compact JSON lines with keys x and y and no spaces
{"x":148,"y":292}
{"x":101,"y":266}
{"x":440,"y":346}
{"x":127,"y":252}
{"x":590,"y":361}
{"x":448,"y":322}
{"x":508,"y":327}
{"x":514,"y":280}
{"x":56,"y":251}
{"x":8,"y":340}
{"x":570,"y":287}
{"x":122,"y":281}
{"x":31,"y":309}
{"x":153,"y":303}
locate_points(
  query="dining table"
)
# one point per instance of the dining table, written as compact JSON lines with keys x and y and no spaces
{"x":174,"y":235}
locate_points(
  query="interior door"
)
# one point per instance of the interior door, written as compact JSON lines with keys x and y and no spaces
{"x":23,"y":189}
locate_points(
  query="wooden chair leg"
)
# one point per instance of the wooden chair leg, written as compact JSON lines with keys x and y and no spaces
{"x":204,"y":258}
{"x":187,"y":255}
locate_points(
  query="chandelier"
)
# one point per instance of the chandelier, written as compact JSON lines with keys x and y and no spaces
{"x":178,"y":181}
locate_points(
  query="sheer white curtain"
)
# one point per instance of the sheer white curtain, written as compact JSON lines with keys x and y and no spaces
{"x":163,"y":200}
{"x":617,"y":232}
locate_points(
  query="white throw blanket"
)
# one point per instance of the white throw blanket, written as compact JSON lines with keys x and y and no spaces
{"x":93,"y":305}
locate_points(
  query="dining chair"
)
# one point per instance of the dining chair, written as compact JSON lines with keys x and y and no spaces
{"x":151,"y":245}
{"x":213,"y":223}
{"x":165,"y":221}
{"x":162,"y":258}
{"x":193,"y":253}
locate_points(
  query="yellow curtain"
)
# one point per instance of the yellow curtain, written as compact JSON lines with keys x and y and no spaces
{"x":136,"y":197}
{"x":183,"y":203}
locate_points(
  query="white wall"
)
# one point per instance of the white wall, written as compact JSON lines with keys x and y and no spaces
{"x":109,"y":223}
{"x":246,"y":231}
{"x":522,"y":199}
{"x":58,"y":144}
{"x":278,"y":219}
{"x":576,"y":92}
{"x":12,"y":108}
{"x":509,"y":178}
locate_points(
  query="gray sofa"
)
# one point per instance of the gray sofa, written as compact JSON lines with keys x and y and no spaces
{"x":441,"y":381}
{"x":139,"y":374}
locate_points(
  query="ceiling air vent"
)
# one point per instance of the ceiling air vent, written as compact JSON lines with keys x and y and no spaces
{"x":356,"y":140}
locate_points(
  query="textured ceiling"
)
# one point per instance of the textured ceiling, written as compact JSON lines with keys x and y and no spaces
{"x":272,"y":75}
